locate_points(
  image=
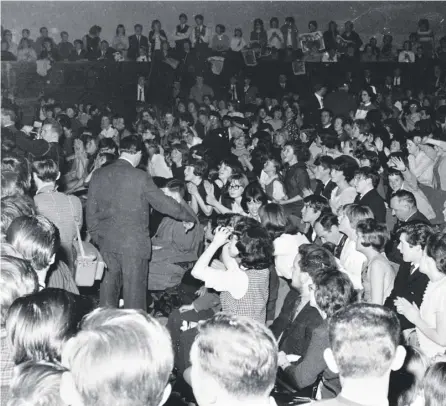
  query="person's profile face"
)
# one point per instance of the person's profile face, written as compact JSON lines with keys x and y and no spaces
{"x":399,"y":209}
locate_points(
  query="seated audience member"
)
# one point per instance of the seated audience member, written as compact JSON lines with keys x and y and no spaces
{"x":271,"y":182}
{"x":17,"y":279}
{"x":234,"y":362}
{"x":174,"y":242}
{"x":364,"y":373}
{"x":322,"y":172}
{"x":402,"y":179}
{"x":430,"y":316}
{"x":231,"y":200}
{"x":326,"y":228}
{"x":35,"y":238}
{"x":37,"y":383}
{"x":404,"y":208}
{"x":378,"y":275}
{"x":247,"y":255}
{"x":78,"y":53}
{"x":64,"y":211}
{"x":118,"y":357}
{"x":342,"y":172}
{"x":195,"y":174}
{"x":314,"y":207}
{"x":351,"y":259}
{"x":331,"y":291}
{"x":410,"y":282}
{"x":366,"y":181}
{"x":57,"y":314}
{"x":285,"y":237}
{"x":297,"y":318}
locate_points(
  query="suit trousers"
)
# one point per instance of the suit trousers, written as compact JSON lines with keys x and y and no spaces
{"x":128,"y":272}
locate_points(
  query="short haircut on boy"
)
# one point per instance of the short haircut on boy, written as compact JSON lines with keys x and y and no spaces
{"x":36,"y":384}
{"x":120,"y":357}
{"x":364,"y":338}
{"x":237,"y":352}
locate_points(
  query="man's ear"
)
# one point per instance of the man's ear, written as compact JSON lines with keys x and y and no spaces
{"x":400,"y":356}
{"x":330,"y":360}
{"x":58,"y":176}
{"x":52,"y":260}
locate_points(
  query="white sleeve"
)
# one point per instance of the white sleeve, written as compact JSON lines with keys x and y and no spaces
{"x":233,"y":281}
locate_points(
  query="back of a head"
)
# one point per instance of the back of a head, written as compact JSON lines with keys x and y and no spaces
{"x":433,"y":385}
{"x":313,"y":257}
{"x":36,"y":384}
{"x":119,"y":357}
{"x":131,"y":144}
{"x":356,"y":213}
{"x":17,"y":279}
{"x":364,"y":339}
{"x":236,"y":354}
{"x":35,"y":237}
{"x":40,"y":323}
{"x":13,"y":207}
{"x":46,"y":170}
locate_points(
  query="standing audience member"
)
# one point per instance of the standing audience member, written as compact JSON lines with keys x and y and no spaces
{"x":119,"y":198}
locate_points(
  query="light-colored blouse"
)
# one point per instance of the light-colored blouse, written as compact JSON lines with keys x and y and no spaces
{"x":120,"y":42}
{"x":337,"y":200}
{"x":237,"y":44}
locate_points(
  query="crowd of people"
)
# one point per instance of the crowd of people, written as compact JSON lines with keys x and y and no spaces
{"x":284,"y":40}
{"x":258,"y":247}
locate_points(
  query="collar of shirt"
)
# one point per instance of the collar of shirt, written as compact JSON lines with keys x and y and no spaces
{"x":125,"y":159}
{"x":47,"y":189}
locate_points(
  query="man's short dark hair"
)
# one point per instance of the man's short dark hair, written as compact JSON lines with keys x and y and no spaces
{"x":137,"y":25}
{"x":327,"y":221}
{"x":182,"y":15}
{"x":364,"y":338}
{"x":325,"y":161}
{"x":46,"y":170}
{"x":199,"y":17}
{"x":367,"y":172}
{"x":176,"y":185}
{"x":317,"y":203}
{"x":416,"y":233}
{"x":313,"y":257}
{"x":201,"y":167}
{"x":64,"y":121}
{"x":405,"y":196}
{"x":42,"y":28}
{"x":131,"y":144}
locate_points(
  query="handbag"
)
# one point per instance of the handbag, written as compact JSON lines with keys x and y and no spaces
{"x":89,"y":264}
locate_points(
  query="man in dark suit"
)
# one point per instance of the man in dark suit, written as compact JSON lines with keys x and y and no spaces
{"x":404,"y":208}
{"x":106,"y":53}
{"x":136,"y":41}
{"x":118,"y":209}
{"x":250,"y":92}
{"x":365,"y":182}
{"x":322,"y":170}
{"x":314,"y":104}
{"x":282,"y":88}
{"x":314,"y":207}
{"x":410,"y":283}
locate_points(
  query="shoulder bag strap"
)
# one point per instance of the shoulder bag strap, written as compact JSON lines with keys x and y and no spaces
{"x":81,"y":246}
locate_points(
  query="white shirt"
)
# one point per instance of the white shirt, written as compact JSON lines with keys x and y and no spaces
{"x":353,"y":262}
{"x":320,"y":99}
{"x":140,"y":96}
{"x":286,"y":247}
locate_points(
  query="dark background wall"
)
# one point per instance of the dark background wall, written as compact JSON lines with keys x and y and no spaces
{"x":370,"y":18}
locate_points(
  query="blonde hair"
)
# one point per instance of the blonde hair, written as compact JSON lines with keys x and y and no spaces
{"x":120,"y":357}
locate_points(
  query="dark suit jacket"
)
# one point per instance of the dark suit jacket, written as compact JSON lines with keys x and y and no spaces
{"x":118,"y":209}
{"x":133,"y":51}
{"x":326,"y":190}
{"x":74,"y":56}
{"x":411,"y":287}
{"x":376,"y":203}
{"x":312,"y":110}
{"x":393,"y":254}
{"x":108,"y":55}
{"x":297,"y":334}
{"x":218,"y":143}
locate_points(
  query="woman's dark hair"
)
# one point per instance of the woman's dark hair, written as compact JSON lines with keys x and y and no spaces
{"x":373,"y":234}
{"x":274,"y":20}
{"x":254,"y":245}
{"x":118,"y":27}
{"x":95,"y":30}
{"x":253,"y":192}
{"x":436,"y":249}
{"x":222,"y":28}
{"x":39,"y":324}
{"x":109,"y":144}
{"x":274,"y":219}
{"x":301,"y":151}
{"x":260,"y":22}
{"x":346,"y":165}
